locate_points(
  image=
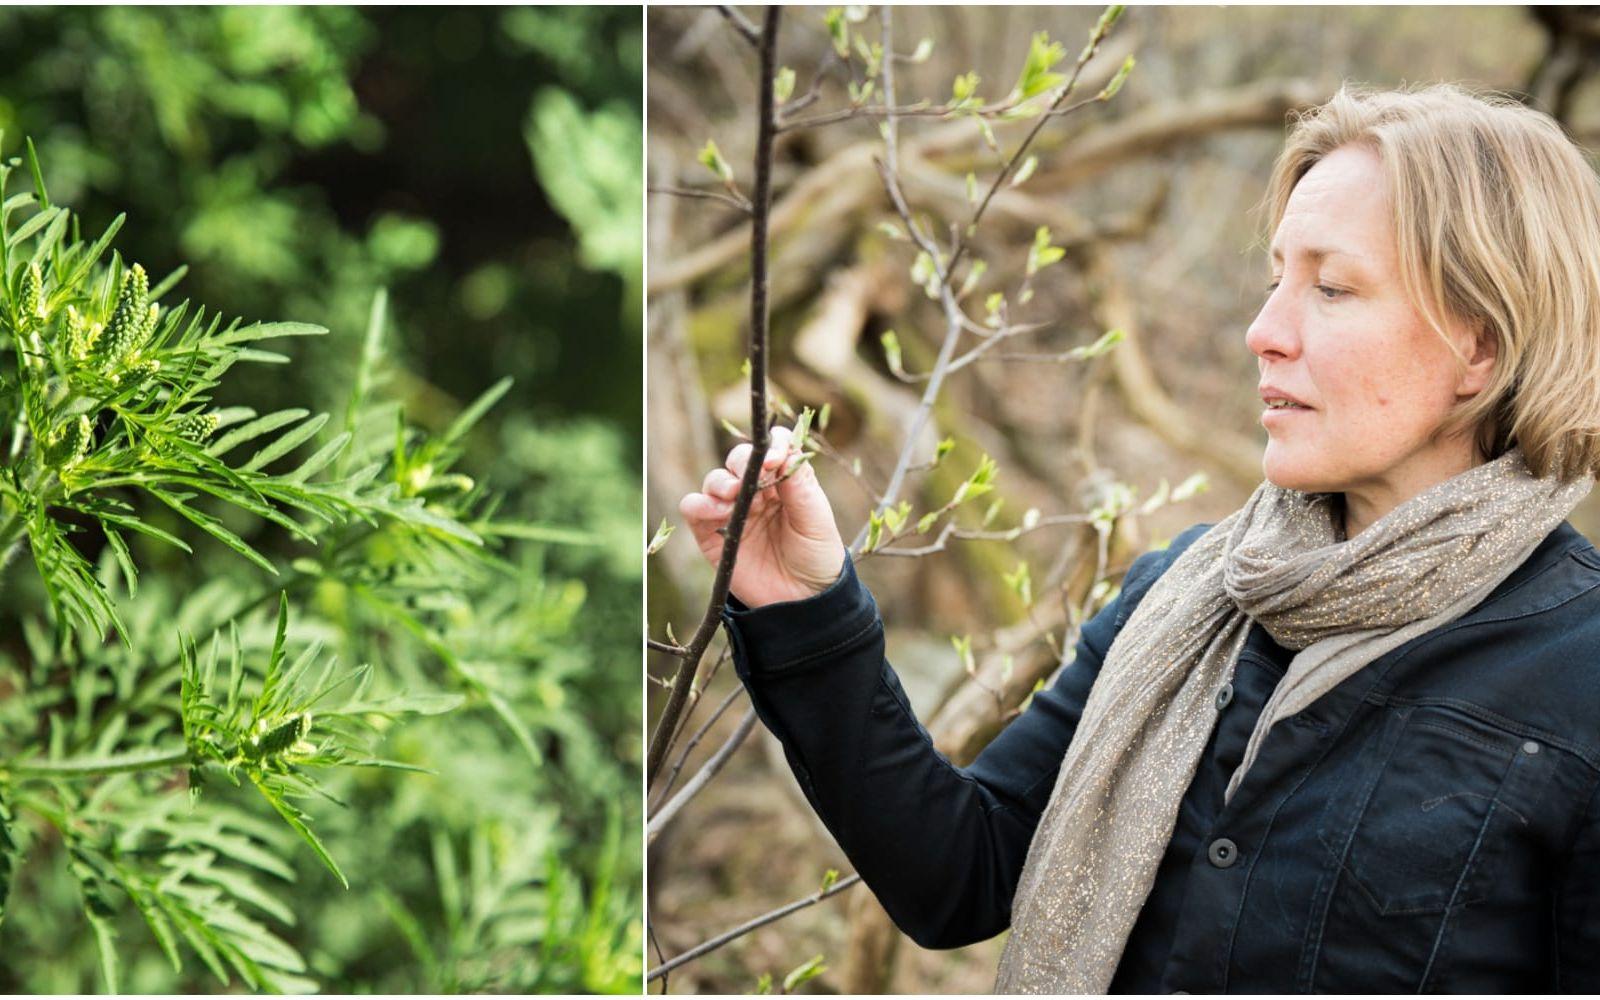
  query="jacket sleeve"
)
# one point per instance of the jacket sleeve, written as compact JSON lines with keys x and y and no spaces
{"x":942,"y":847}
{"x":1577,"y":909}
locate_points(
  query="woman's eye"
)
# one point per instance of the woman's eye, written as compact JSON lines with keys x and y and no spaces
{"x":1329,"y":292}
{"x":1272,"y":287}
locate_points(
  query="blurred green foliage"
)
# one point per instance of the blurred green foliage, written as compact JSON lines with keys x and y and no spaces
{"x":483,"y":166}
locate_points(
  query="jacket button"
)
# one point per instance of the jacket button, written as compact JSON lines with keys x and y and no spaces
{"x":1530,"y":747}
{"x":1224,"y":696}
{"x":1222,"y":853}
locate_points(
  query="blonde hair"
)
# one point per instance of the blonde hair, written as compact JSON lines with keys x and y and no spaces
{"x":1497,"y":221}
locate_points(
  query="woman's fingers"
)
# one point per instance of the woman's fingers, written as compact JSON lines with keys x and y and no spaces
{"x":777,"y":451}
{"x":700,"y":509}
{"x":720,"y":483}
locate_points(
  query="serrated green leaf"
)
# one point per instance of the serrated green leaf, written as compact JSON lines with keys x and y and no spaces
{"x":254,"y":429}
{"x":285,"y":443}
{"x":266,"y":331}
{"x":40,"y":219}
{"x":296,"y":820}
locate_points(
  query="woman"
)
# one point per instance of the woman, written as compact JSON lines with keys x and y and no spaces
{"x":1346,"y":739}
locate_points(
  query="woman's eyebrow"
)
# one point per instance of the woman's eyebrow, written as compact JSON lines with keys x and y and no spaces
{"x":1315,"y":253}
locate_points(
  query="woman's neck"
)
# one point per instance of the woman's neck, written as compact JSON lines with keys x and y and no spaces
{"x":1364,"y":505}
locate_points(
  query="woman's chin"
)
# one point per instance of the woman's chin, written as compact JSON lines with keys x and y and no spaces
{"x":1293,"y":472}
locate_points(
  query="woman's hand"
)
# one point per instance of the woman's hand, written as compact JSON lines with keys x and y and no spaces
{"x":790,"y":548}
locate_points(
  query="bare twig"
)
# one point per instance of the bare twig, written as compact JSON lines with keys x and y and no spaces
{"x":694,"y":741}
{"x":751,"y":925}
{"x":728,"y":199}
{"x":991,"y":338}
{"x":664,"y":647}
{"x":692,"y":787}
{"x":667,"y":728}
{"x":741,"y":24}
{"x":950,"y":531}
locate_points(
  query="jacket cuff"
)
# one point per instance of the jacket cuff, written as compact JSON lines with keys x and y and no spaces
{"x":795,"y":635}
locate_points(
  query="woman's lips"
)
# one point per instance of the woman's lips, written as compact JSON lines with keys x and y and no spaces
{"x":1276,"y":415}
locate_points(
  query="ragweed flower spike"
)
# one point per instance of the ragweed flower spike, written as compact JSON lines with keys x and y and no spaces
{"x":137,"y":371}
{"x":81,"y":334}
{"x":277,"y":740}
{"x":30,"y":296}
{"x":126,"y":326}
{"x":30,"y":313}
{"x":70,"y":442}
{"x":196,"y":428}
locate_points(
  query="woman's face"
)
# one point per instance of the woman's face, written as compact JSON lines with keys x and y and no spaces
{"x":1338,"y":334}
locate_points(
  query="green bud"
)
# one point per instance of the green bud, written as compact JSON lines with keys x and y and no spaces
{"x":963,"y":89}
{"x":1025,"y":171}
{"x":783,"y":85}
{"x":711,"y":159}
{"x":1117,"y":81}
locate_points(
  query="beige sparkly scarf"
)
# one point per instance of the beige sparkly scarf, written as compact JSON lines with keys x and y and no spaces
{"x":1279,"y":560}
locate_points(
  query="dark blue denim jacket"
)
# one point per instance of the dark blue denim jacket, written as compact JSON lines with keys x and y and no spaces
{"x":1430,"y":824}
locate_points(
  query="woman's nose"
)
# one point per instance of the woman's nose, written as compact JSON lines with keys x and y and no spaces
{"x":1274,"y":334}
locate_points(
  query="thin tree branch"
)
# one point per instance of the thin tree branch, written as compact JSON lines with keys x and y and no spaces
{"x":745,"y":928}
{"x":664,"y":647}
{"x":702,"y":777}
{"x":694,"y":741}
{"x":728,"y":199}
{"x":741,"y":24}
{"x":667,"y":728}
{"x":1101,"y":28}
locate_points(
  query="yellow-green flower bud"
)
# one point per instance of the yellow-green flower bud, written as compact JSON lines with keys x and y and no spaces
{"x":128,"y":318}
{"x":81,"y":334}
{"x":137,"y":372}
{"x":70,"y":442}
{"x":149,"y":325}
{"x":196,"y":428}
{"x":30,"y":296}
{"x":279,"y":739}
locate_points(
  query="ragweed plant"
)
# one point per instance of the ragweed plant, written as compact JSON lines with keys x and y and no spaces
{"x":160,"y":745}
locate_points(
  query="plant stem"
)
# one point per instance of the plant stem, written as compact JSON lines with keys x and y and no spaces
{"x":760,"y":212}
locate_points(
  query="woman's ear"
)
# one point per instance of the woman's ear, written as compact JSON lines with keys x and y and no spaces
{"x":1479,"y":370}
